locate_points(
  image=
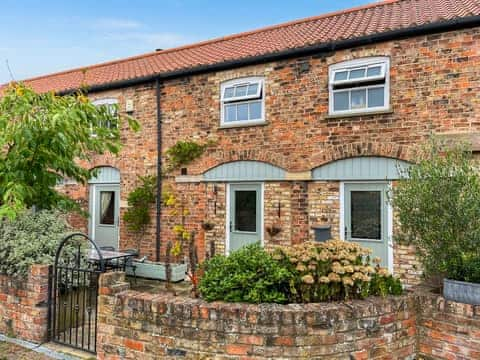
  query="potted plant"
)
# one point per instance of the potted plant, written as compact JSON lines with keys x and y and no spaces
{"x":438,"y":206}
{"x":463,"y":282}
{"x":137,"y":217}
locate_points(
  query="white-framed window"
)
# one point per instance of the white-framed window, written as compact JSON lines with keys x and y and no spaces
{"x":359,"y":86}
{"x":112,"y":106}
{"x":242,"y":101}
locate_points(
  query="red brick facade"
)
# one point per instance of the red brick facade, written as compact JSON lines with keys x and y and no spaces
{"x":434,"y":82}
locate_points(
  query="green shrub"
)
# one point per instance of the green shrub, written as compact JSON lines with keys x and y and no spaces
{"x":464,"y":268}
{"x":32,"y":238}
{"x":438,"y":205}
{"x":247,"y":275}
{"x":334,"y":270}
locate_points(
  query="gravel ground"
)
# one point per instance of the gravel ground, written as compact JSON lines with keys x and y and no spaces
{"x":10,"y":351}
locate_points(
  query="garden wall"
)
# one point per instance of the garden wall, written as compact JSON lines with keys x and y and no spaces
{"x":448,"y":330}
{"x":135,"y":325}
{"x":23,"y":305}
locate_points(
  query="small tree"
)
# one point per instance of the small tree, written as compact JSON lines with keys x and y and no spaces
{"x":42,"y":139}
{"x":438,"y":204}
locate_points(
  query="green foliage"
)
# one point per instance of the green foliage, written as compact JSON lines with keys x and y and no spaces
{"x":137,"y":216}
{"x":42,"y":137}
{"x":32,"y":238}
{"x":183,"y":153}
{"x":334,"y":270}
{"x":464,"y":268}
{"x":247,"y":275}
{"x":438,"y":205}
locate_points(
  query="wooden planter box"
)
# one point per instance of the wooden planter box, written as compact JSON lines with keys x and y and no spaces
{"x":460,"y":291}
{"x":157,"y":271}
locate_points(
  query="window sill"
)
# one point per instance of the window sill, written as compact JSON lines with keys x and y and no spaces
{"x":357,"y":114}
{"x":243,"y":124}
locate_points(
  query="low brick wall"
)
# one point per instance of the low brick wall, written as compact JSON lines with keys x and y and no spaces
{"x":23,"y":305}
{"x":448,"y":330}
{"x":135,"y":325}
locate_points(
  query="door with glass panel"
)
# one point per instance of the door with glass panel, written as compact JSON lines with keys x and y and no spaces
{"x":245,"y":220}
{"x":366,"y":217}
{"x":106,"y":215}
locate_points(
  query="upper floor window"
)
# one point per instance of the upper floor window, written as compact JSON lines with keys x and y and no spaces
{"x":111,"y":106}
{"x":243,"y":101}
{"x":359,"y":86}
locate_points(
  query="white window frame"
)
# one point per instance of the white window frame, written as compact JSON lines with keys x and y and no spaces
{"x":245,"y":99}
{"x":104,"y":101}
{"x":350,"y":65}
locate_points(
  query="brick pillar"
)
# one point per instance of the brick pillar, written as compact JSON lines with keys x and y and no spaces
{"x":23,"y":305}
{"x":299,"y":206}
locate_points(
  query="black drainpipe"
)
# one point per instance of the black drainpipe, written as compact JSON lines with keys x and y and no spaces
{"x":159,"y":172}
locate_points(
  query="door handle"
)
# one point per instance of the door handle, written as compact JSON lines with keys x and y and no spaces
{"x":231,"y":226}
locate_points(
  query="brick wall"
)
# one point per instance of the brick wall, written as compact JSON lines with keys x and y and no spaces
{"x":448,"y":330}
{"x":23,"y":305}
{"x":135,"y":325}
{"x":419,"y":324}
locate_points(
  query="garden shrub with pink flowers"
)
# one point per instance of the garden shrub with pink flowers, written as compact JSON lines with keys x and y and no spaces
{"x":334,"y":270}
{"x":308,"y":272}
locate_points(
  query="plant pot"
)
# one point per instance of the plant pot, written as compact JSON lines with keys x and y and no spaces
{"x":158,"y":271}
{"x":461,"y":291}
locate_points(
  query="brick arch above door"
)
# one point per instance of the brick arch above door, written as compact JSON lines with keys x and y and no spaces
{"x":362,"y":149}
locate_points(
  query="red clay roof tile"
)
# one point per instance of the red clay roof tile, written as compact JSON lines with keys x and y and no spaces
{"x":348,"y":24}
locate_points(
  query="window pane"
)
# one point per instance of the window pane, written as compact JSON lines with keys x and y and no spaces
{"x":376,"y":97}
{"x":341,"y":75}
{"x":340,"y":101}
{"x":358,"y":99}
{"x":107,"y":207}
{"x":228,"y":92}
{"x":357,"y":73}
{"x":230,"y":113}
{"x":242,"y":112}
{"x":366,"y":214}
{"x":246,"y":211}
{"x":241,"y":90}
{"x":374,"y":71}
{"x":252,"y":89}
{"x":255,"y":110}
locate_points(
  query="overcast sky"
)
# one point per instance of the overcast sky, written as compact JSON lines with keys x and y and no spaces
{"x":40,"y":37}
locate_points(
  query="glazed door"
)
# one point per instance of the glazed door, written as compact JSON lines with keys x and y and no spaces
{"x":366,"y":217}
{"x":245,"y":215}
{"x":106,"y":215}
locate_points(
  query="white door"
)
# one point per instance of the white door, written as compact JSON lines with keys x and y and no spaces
{"x":105,"y":212}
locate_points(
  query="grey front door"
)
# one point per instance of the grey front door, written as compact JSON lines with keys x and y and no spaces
{"x":106,"y":214}
{"x":366,"y":217}
{"x":245,"y":223}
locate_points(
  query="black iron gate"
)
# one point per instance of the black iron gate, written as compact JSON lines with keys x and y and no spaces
{"x":74,"y":293}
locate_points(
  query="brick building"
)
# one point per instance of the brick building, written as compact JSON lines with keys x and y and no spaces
{"x":309,"y":123}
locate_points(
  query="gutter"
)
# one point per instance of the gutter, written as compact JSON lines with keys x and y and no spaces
{"x":431,"y":28}
{"x":159,"y":173}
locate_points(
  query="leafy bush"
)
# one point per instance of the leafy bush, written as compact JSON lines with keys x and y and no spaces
{"x":309,"y":272}
{"x":334,"y":270}
{"x":438,"y":205}
{"x":247,"y":275}
{"x":464,"y":268}
{"x":32,"y":238}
